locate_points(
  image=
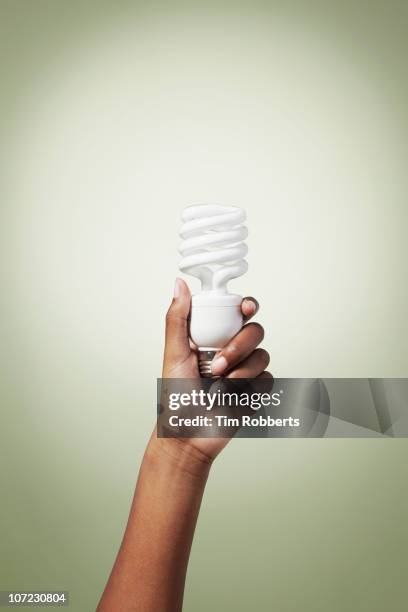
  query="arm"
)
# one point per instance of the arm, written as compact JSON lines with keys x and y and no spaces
{"x":150,"y":569}
{"x":151,"y":566}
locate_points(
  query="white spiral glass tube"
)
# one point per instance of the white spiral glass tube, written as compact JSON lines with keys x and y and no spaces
{"x":212,"y":248}
{"x":214,"y":251}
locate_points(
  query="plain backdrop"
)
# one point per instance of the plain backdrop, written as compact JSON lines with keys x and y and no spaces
{"x":115,"y":116}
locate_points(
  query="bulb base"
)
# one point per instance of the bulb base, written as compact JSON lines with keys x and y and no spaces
{"x":215,"y":319}
{"x":204,"y":363}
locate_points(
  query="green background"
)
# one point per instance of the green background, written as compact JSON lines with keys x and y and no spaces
{"x":113,"y":117}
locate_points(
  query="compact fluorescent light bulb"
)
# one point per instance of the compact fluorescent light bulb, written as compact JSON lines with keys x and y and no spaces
{"x":213,"y":250}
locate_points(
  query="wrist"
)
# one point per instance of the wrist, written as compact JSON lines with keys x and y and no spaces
{"x":178,"y":456}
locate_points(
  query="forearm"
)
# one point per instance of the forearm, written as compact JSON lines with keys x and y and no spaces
{"x":150,"y":569}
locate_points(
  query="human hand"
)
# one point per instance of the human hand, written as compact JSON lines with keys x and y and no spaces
{"x":240,"y":358}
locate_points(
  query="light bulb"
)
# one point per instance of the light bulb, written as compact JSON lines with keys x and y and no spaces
{"x":213,"y":250}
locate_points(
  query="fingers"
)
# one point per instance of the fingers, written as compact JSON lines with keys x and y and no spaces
{"x":267,"y":381}
{"x":238,"y":349}
{"x":177,"y":345}
{"x":249,"y":307}
{"x":265,"y":375}
{"x":252,"y":366}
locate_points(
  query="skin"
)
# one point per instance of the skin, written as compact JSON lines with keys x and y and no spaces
{"x":150,"y":568}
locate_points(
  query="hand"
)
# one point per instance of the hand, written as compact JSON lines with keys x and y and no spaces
{"x":240,"y":358}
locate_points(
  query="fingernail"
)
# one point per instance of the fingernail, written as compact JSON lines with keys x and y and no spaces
{"x":177,"y":288}
{"x":218,"y":365}
{"x":252,"y":303}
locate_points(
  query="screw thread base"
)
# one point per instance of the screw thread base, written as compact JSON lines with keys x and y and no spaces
{"x":204,"y":363}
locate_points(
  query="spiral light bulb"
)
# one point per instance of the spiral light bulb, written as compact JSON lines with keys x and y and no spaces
{"x":213,"y":250}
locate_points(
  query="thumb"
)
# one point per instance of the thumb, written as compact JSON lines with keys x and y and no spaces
{"x":177,"y":346}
